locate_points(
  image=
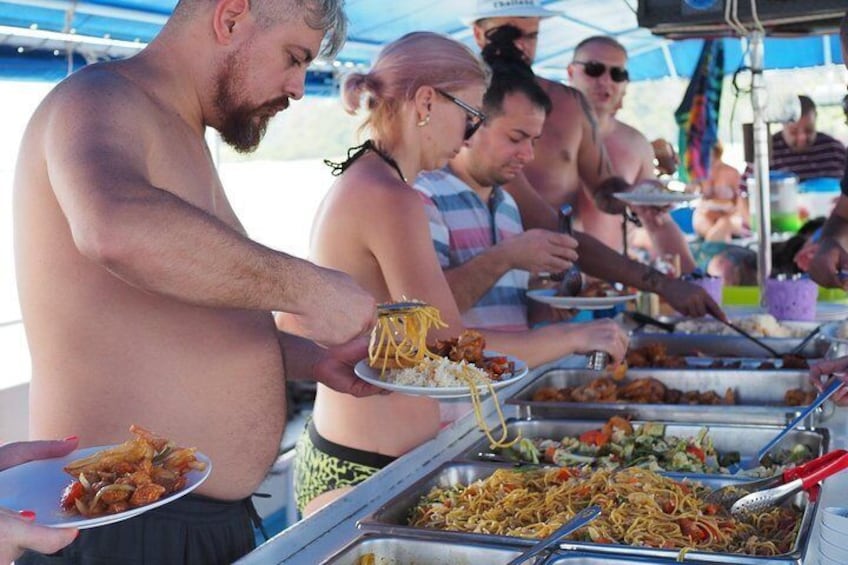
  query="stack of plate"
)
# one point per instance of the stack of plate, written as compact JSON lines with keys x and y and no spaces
{"x":833,"y":536}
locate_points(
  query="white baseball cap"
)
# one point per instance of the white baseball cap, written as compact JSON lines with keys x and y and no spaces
{"x":509,"y":9}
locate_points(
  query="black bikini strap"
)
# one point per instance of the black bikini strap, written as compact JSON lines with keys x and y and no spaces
{"x":355,"y":153}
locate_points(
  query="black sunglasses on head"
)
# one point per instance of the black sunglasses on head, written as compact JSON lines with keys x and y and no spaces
{"x":475,"y":117}
{"x":595,"y":69}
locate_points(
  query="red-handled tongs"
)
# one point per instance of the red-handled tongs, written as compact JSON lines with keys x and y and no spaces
{"x":727,"y":495}
{"x":793,"y":480}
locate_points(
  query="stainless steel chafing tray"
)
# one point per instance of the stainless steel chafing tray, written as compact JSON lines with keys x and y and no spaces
{"x":728,"y":345}
{"x":759,"y":396}
{"x":745,"y":439}
{"x":404,"y":550}
{"x":407,"y":550}
{"x":392,"y":519}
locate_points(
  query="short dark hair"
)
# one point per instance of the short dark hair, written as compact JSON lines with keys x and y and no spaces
{"x":807,"y":105}
{"x":604,"y":40}
{"x":510,"y":72}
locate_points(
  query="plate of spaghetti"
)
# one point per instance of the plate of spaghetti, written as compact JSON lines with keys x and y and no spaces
{"x":96,"y":486}
{"x":401,"y":360}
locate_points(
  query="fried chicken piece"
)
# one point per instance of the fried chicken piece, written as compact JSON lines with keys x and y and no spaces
{"x":709,"y":397}
{"x":794,"y":362}
{"x":602,"y":389}
{"x":672,"y":396}
{"x":644,"y":391}
{"x":551,"y":394}
{"x":798,"y":397}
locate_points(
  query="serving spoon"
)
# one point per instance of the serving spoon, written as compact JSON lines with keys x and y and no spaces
{"x":745,"y":334}
{"x":578,"y":521}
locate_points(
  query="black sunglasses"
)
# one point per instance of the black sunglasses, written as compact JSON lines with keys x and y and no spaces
{"x":475,"y":117}
{"x":595,"y":69}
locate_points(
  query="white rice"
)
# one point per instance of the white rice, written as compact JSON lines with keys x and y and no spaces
{"x":440,"y":372}
{"x":760,"y":325}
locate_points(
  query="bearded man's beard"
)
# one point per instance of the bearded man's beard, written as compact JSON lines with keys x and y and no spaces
{"x":242,"y":126}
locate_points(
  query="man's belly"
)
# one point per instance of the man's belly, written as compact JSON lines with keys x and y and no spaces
{"x":216,"y":384}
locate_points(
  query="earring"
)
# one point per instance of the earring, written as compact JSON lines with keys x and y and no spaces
{"x":424,"y":121}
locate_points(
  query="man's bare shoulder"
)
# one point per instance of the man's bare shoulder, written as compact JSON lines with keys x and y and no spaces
{"x":97,"y":84}
{"x":561,"y":94}
{"x":101,"y":95}
{"x":629,"y":132}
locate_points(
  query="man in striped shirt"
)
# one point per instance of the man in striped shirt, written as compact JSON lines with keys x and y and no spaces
{"x":802,"y":150}
{"x":476,"y":226}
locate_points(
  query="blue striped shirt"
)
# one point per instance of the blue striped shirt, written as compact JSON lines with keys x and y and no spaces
{"x":463,"y":226}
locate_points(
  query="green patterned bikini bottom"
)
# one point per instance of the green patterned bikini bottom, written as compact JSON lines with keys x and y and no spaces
{"x":321,"y":466}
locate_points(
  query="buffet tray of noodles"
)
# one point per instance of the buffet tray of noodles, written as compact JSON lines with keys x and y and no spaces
{"x":395,"y":550}
{"x":665,"y":447}
{"x":683,"y":395}
{"x":644,"y":514}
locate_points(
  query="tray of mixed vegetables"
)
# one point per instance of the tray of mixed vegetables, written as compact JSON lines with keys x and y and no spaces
{"x":658,"y":446}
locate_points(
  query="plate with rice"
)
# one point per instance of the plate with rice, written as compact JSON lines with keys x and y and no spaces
{"x":439,"y":378}
{"x":650,"y":194}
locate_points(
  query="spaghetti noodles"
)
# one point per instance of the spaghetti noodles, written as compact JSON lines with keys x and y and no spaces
{"x":402,"y":336}
{"x":400,"y":339}
{"x":640,"y":508}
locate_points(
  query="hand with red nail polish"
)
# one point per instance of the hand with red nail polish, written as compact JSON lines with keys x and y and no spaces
{"x":19,"y":529}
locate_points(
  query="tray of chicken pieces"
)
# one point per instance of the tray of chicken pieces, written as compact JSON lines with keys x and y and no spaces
{"x":650,"y":353}
{"x":683,"y":395}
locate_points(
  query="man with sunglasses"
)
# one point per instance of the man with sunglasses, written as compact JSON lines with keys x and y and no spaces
{"x":599,"y":72}
{"x":568,"y":154}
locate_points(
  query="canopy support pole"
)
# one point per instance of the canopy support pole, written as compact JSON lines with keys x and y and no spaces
{"x":761,"y":163}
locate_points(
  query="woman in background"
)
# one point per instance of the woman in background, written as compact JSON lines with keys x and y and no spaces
{"x":722,"y":212}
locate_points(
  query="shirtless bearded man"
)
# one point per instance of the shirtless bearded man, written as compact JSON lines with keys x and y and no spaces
{"x":143,"y":299}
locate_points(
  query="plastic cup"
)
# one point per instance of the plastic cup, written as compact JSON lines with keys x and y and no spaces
{"x":792,"y":299}
{"x":713,"y":285}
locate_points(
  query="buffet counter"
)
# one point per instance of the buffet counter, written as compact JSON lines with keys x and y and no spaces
{"x":319,"y":537}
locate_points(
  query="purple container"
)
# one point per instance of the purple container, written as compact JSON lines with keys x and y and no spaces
{"x":792,"y":299}
{"x":713,"y":286}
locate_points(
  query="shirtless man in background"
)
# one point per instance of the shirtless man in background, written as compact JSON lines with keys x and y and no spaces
{"x":142,"y":297}
{"x":569,"y":152}
{"x":629,"y":150}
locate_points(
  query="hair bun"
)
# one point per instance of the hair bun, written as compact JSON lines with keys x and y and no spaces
{"x":501,"y":49}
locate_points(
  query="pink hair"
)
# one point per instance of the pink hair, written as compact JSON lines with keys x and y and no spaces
{"x":417,"y":59}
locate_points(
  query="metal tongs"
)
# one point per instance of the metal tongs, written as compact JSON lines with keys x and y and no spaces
{"x":800,"y":347}
{"x":727,"y":495}
{"x":834,"y":385}
{"x":571,"y":280}
{"x":399,"y":308}
{"x":645,"y":320}
{"x":808,"y":476}
{"x":578,"y":521}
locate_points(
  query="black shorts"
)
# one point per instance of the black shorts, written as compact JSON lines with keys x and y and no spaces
{"x":191,"y":530}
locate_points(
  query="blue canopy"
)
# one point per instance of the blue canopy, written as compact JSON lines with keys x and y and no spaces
{"x":35,"y":36}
